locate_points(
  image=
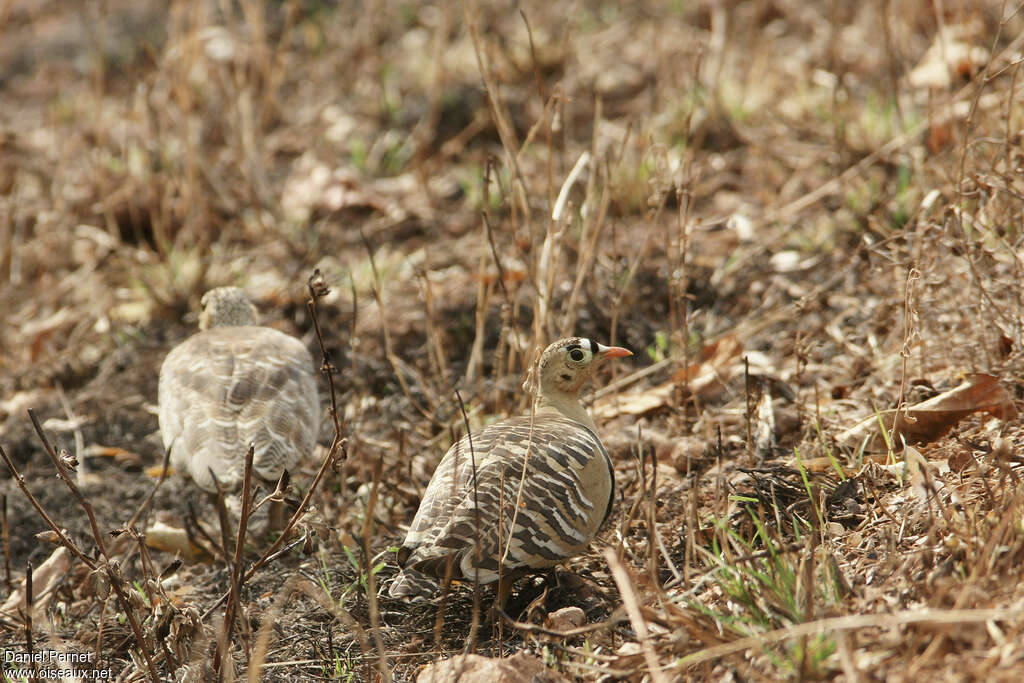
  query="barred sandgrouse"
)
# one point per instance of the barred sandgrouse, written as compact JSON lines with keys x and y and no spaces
{"x":232,"y":384}
{"x":465,"y":517}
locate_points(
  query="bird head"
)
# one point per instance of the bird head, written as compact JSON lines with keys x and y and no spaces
{"x":226,"y":306}
{"x":568,"y":363}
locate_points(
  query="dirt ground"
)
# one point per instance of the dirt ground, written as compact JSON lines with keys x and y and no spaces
{"x":805,"y":219}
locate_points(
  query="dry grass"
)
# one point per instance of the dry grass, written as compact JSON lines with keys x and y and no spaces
{"x":798,"y":217}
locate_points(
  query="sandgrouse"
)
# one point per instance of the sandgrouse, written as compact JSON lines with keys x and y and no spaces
{"x":232,"y":384}
{"x":566,"y":494}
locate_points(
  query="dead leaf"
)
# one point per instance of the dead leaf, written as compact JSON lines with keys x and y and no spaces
{"x":961,"y":460}
{"x":157,"y":471}
{"x":917,"y":468}
{"x":946,"y":59}
{"x":120,"y":455}
{"x":828,"y":465}
{"x":706,"y":379}
{"x":44,"y":578}
{"x":927,"y":421}
{"x":160,"y":536}
{"x":764,"y":426}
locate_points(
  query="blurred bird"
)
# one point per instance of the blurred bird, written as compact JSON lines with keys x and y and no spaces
{"x":232,"y":384}
{"x":473,"y":518}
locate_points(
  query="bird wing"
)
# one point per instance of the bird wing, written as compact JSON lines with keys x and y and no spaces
{"x":226,"y":387}
{"x":566,"y":494}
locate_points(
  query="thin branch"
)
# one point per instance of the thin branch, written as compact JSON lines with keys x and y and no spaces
{"x":336,"y":453}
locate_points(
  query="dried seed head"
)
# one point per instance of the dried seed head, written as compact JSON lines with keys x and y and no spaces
{"x":49,"y":536}
{"x":69,"y":461}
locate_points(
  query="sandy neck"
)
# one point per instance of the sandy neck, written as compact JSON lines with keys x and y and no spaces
{"x":567,"y":404}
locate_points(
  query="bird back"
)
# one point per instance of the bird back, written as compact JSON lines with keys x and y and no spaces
{"x":225,"y":387}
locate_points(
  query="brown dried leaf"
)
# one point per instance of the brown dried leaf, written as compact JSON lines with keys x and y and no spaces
{"x":927,"y":421}
{"x":917,"y":468}
{"x":948,"y":56}
{"x":120,"y":455}
{"x":45,"y":578}
{"x":157,"y":471}
{"x":705,"y":379}
{"x":161,"y":536}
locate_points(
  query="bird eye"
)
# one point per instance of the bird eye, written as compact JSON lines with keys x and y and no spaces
{"x":577,"y":355}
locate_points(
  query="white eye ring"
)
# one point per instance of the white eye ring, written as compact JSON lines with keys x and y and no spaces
{"x":577,"y":355}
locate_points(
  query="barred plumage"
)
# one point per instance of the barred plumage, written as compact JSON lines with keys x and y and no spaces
{"x":233,"y":384}
{"x":566,"y":494}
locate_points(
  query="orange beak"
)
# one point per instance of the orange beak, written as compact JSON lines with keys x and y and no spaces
{"x":612,"y":351}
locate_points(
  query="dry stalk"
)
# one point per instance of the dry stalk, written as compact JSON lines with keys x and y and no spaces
{"x":475,"y":620}
{"x":501,"y":121}
{"x":446,"y":584}
{"x":435,"y":341}
{"x":853,"y":622}
{"x":544,"y":282}
{"x":617,"y":617}
{"x":371,"y":580}
{"x":81,"y":470}
{"x":154,"y":590}
{"x":558,"y":209}
{"x":585,"y":267}
{"x":389,"y":352}
{"x":911,"y":333}
{"x":113,"y":572}
{"x":679,"y":275}
{"x":501,"y":537}
{"x":336,"y":453}
{"x":489,"y":233}
{"x":636,"y":617}
{"x":641,"y":254}
{"x":5,"y":532}
{"x":111,"y":569}
{"x":144,"y":507}
{"x":474,"y":365}
{"x":223,"y":521}
{"x":194,"y":530}
{"x":545,"y":119}
{"x":748,"y":414}
{"x":638,"y":505}
{"x":259,"y":651}
{"x":29,"y":600}
{"x":509,"y":310}
{"x":653,"y":538}
{"x":836,"y":184}
{"x":234,"y":605}
{"x":352,"y":336}
{"x":449,"y":561}
{"x":61,"y":467}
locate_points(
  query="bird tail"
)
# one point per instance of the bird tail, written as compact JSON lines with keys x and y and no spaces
{"x":414,"y":586}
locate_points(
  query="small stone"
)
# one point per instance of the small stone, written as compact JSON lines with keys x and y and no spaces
{"x":519,"y":668}
{"x":686,"y":452}
{"x":565,"y":619}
